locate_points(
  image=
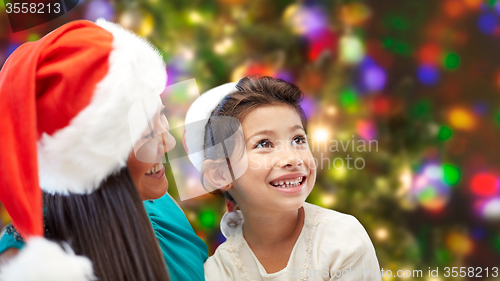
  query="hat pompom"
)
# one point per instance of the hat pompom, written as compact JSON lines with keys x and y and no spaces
{"x":230,"y":222}
{"x":43,"y":260}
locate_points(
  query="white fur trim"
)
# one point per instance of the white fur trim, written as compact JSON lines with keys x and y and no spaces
{"x":43,"y":260}
{"x":97,"y":141}
{"x":200,"y":110}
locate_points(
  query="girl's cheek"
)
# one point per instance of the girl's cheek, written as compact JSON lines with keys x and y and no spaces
{"x":309,"y":159}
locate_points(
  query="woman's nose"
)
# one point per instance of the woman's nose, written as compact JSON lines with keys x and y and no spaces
{"x":168,"y":142}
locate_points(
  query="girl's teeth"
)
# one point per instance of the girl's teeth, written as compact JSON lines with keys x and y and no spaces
{"x":289,"y":183}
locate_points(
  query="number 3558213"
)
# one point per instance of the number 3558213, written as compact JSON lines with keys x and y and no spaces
{"x":33,"y":8}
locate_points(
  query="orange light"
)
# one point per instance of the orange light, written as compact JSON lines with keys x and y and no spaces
{"x":453,"y":8}
{"x":459,"y":244}
{"x":498,"y":79}
{"x":472,"y":4}
{"x":461,"y":119}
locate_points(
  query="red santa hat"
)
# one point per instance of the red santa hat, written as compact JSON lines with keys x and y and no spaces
{"x":61,"y":99}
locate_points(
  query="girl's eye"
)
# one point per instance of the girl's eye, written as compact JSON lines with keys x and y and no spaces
{"x":298,"y":140}
{"x":263,"y":144}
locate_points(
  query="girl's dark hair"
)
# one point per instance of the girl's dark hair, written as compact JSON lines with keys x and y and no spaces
{"x":252,"y":92}
{"x":110,"y":227}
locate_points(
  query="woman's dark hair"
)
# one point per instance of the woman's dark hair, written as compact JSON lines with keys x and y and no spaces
{"x":252,"y":92}
{"x":110,"y":227}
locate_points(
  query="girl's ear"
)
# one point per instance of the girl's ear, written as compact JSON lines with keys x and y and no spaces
{"x":215,"y":175}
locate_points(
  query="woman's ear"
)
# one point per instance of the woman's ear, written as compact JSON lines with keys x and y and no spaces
{"x":215,"y":175}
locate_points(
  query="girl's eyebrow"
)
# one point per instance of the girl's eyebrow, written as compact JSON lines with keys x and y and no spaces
{"x":263,"y":132}
{"x":297,"y":127}
{"x":271,"y":132}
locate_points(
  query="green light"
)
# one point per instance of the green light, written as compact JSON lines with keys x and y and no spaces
{"x":452,"y":61}
{"x":207,"y":218}
{"x":451,"y":174}
{"x":388,"y":42}
{"x":445,"y":133}
{"x":496,"y":243}
{"x":349,"y":100}
{"x":33,"y":37}
{"x":421,"y":109}
{"x":442,"y":256}
{"x":491,"y":3}
{"x":396,"y":22}
{"x":427,"y":194}
{"x":498,"y":117}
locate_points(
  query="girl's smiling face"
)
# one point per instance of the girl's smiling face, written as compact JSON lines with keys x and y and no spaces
{"x":281,"y":170}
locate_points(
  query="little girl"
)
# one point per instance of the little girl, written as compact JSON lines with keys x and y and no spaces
{"x":275,"y":234}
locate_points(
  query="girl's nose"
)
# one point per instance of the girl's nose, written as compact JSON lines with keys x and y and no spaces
{"x":289,"y":158}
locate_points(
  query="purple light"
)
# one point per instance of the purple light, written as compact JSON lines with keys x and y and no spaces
{"x":477,"y":233}
{"x":374,"y":78}
{"x":99,"y":9}
{"x":428,"y":75}
{"x":308,"y":105}
{"x":11,"y":48}
{"x":312,"y":20}
{"x":367,"y":62}
{"x":480,"y":108}
{"x":497,"y":7}
{"x":366,"y":129}
{"x":284,"y":75}
{"x":487,"y":23}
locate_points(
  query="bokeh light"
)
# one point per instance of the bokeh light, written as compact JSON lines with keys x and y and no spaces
{"x":445,"y":133}
{"x":374,"y":78}
{"x":320,"y":135}
{"x":99,"y":9}
{"x":459,"y":244}
{"x":428,"y":74}
{"x":430,"y":54}
{"x":366,"y":129}
{"x":451,"y":61}
{"x":351,"y":49}
{"x":451,"y":174}
{"x":461,"y":119}
{"x":349,"y":100}
{"x":487,"y":23}
{"x":430,"y":189}
{"x":207,"y":218}
{"x":484,"y":184}
{"x":491,"y":209}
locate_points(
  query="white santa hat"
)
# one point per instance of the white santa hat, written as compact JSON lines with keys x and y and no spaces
{"x":198,"y":114}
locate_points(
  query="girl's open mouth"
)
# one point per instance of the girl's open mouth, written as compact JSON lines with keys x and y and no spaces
{"x":291,"y":185}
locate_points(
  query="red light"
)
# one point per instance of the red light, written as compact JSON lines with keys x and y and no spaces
{"x":381,"y":105}
{"x":484,"y":184}
{"x":430,"y":54}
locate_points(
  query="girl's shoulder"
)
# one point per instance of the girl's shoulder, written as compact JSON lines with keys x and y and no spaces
{"x":336,"y":226}
{"x":328,"y":216}
{"x":221,"y":265}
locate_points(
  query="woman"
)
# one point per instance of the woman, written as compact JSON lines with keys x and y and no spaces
{"x":275,"y":235}
{"x":77,"y":85}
